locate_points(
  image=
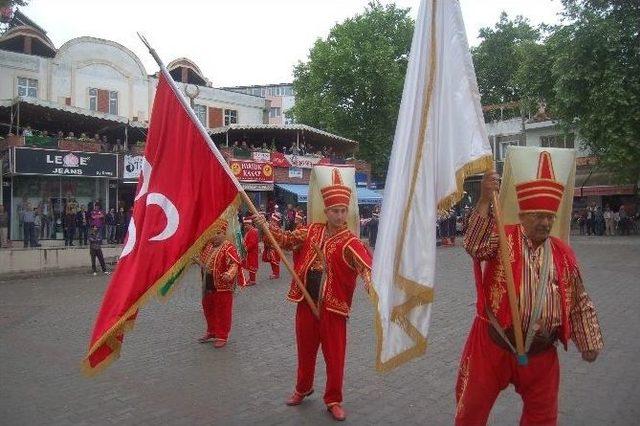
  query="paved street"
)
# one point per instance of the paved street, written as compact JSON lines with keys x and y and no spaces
{"x":165,"y":377}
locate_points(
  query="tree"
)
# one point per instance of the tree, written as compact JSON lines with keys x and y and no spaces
{"x":11,"y":3}
{"x":596,"y":74}
{"x":352,"y":82}
{"x":499,"y":55}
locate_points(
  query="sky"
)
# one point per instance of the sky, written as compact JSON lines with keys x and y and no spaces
{"x":240,"y":42}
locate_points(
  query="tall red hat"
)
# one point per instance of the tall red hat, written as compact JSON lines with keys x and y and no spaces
{"x":336,"y":194}
{"x":542,"y":195}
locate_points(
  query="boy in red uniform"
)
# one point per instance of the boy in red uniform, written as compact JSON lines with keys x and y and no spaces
{"x":251,"y":238}
{"x":220,"y":266}
{"x":269,"y":253}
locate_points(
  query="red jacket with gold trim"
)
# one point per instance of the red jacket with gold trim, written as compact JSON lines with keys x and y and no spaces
{"x":343,"y":258}
{"x":269,"y":253}
{"x":251,"y":240}
{"x":220,"y":260}
{"x":578,"y":318}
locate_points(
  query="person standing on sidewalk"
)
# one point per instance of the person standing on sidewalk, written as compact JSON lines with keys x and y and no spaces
{"x":608,"y":221}
{"x":82,"y":224}
{"x":28,"y":227}
{"x":4,"y":227}
{"x":110,"y":222}
{"x":95,"y":250}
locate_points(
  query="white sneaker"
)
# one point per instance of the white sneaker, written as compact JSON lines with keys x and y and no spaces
{"x":107,"y":273}
{"x":95,"y":273}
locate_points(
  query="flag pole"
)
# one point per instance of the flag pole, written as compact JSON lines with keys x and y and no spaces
{"x":505,"y":259}
{"x":218,"y":155}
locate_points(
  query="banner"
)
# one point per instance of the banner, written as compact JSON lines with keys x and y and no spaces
{"x":53,"y":162}
{"x":181,"y":169}
{"x":132,"y":166}
{"x":261,"y":157}
{"x":251,"y":171}
{"x":431,"y":156}
{"x":279,"y":159}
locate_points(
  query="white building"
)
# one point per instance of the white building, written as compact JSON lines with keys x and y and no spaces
{"x":280,"y":96}
{"x":104,"y":76}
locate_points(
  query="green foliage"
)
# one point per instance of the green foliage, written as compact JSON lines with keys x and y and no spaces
{"x":352,"y":83}
{"x":5,"y":3}
{"x":596,"y":73}
{"x":499,"y":55}
{"x":587,"y":70}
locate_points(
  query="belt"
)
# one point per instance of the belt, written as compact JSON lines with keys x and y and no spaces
{"x":540,"y":343}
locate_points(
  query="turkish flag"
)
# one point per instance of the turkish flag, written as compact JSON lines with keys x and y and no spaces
{"x":182,"y":191}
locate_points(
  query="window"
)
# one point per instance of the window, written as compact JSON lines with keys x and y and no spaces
{"x":103,"y":101}
{"x":505,"y":141}
{"x":113,"y":103}
{"x":201,"y":113}
{"x":230,"y":116}
{"x":275,"y":112}
{"x":93,"y":99}
{"x":27,"y":87}
{"x":558,"y":141}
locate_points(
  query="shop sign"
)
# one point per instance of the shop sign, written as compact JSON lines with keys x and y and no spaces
{"x":295,"y":172}
{"x":132,"y":166}
{"x":261,"y":157}
{"x":256,"y":187}
{"x":50,"y":162}
{"x":586,"y":161}
{"x":251,"y":171}
{"x":299,"y":161}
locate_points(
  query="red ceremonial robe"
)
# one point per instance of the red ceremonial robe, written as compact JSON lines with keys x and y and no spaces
{"x":345,"y":257}
{"x":271,"y":256}
{"x":250,"y":262}
{"x":217,"y":300}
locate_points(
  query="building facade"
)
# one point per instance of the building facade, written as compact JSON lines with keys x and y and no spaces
{"x":70,"y":115}
{"x":280,"y":96}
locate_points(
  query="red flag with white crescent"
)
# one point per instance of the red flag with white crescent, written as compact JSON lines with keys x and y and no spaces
{"x":183,"y":189}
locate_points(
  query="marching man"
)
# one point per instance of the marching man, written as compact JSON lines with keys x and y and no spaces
{"x":220,"y":268}
{"x":269,"y":253}
{"x":553,"y":302}
{"x":250,"y":241}
{"x":331,"y":259}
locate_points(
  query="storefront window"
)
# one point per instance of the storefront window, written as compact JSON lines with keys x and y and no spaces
{"x":49,"y":194}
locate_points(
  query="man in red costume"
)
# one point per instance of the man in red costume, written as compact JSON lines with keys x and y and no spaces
{"x":220,"y":262}
{"x":553,"y":302}
{"x":269,"y":253}
{"x":331,"y":258}
{"x":250,"y":241}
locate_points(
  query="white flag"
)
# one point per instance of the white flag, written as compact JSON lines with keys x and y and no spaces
{"x":440,"y":139}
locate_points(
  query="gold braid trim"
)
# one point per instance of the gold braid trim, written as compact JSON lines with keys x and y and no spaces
{"x":125,"y":324}
{"x":419,"y":296}
{"x":479,"y":165}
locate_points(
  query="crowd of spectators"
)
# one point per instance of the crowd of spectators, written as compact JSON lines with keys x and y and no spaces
{"x":44,"y":138}
{"x":593,"y":220}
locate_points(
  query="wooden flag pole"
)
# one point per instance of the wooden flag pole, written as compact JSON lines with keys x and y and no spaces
{"x":511,"y":288}
{"x":274,"y":243}
{"x":218,"y":155}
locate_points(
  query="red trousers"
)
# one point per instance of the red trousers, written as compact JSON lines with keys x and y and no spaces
{"x":218,"y":307}
{"x":329,"y":332}
{"x":486,"y":369}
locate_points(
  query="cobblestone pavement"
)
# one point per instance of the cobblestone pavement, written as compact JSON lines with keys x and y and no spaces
{"x":165,"y":377}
